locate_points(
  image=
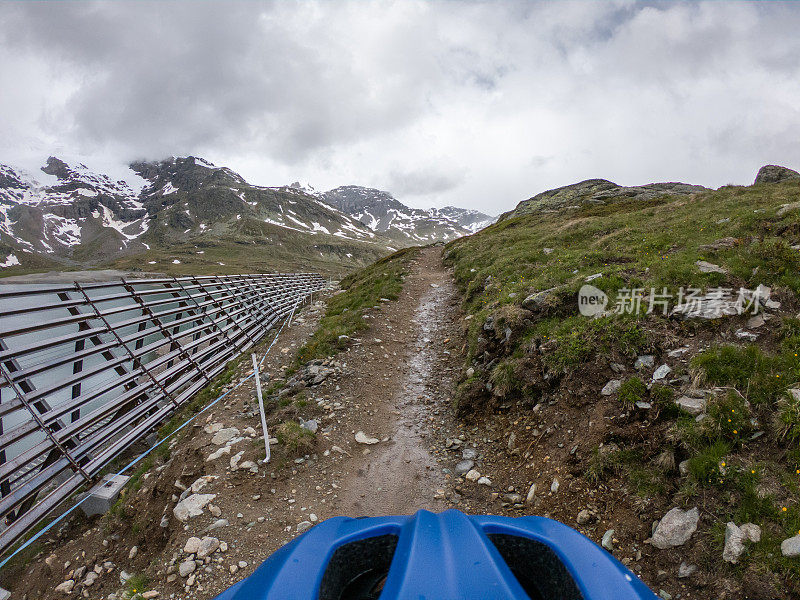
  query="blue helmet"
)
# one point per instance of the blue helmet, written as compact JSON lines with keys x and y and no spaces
{"x":447,"y":556}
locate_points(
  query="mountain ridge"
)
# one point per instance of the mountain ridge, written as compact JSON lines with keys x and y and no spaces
{"x":382,"y":212}
{"x":69,"y":216}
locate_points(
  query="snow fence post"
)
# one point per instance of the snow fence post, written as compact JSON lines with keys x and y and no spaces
{"x":261,"y":406}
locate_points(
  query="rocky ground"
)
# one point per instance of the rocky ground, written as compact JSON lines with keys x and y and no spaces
{"x":372,"y":431}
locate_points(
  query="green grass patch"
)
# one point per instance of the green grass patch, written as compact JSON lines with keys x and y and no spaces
{"x":728,"y":418}
{"x":577,"y":339}
{"x":136,"y":586}
{"x":634,"y":244}
{"x":759,"y":376}
{"x":708,"y":465}
{"x":631,"y":391}
{"x":362,"y":290}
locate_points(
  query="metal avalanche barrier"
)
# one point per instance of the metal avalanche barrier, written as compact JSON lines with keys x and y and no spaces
{"x":86,"y":370}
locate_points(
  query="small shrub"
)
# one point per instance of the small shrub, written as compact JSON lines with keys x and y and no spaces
{"x":758,"y":376}
{"x":502,"y":379}
{"x":632,"y":391}
{"x":728,"y":418}
{"x":661,"y":396}
{"x":686,"y":432}
{"x":578,"y":339}
{"x":666,"y":460}
{"x":644,"y":482}
{"x":137,"y":585}
{"x":606,"y":460}
{"x":274,"y":388}
{"x":295,"y":438}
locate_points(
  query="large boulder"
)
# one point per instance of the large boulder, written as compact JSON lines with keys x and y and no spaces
{"x":675,"y":528}
{"x":775,"y":174}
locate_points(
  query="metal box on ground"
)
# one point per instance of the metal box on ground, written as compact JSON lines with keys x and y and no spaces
{"x":104,"y":494}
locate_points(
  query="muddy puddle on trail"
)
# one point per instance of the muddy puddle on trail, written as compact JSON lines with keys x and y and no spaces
{"x":401,"y":476}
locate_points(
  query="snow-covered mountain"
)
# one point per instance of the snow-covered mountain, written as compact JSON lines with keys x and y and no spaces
{"x":64,"y":206}
{"x":383,"y":213}
{"x":67,"y":214}
{"x":196,"y":196}
{"x":471,"y":220}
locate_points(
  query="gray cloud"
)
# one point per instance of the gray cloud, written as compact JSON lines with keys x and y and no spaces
{"x":425,"y":181}
{"x":471,"y":103}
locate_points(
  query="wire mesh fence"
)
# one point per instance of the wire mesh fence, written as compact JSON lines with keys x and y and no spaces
{"x":86,"y":370}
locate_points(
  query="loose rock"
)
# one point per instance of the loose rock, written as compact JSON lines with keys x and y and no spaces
{"x":675,"y":528}
{"x":734,"y":543}
{"x":192,"y":545}
{"x":223,"y":436}
{"x":707,"y":267}
{"x":661,"y":372}
{"x":464,"y":466}
{"x":208,"y":546}
{"x":608,"y":540}
{"x":791,"y":547}
{"x":192,"y":506}
{"x":694,"y":406}
{"x":363,"y":438}
{"x":186,"y":568}
{"x":65,"y":587}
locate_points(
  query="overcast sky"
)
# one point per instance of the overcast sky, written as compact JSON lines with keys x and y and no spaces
{"x":479,"y":105}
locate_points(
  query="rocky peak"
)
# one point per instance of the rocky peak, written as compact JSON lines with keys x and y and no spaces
{"x":383,"y":213}
{"x":775,"y":174}
{"x":57,"y":167}
{"x":354,"y":199}
{"x":305,"y":188}
{"x":183,"y":174}
{"x":472,"y":220}
{"x":10,"y":179}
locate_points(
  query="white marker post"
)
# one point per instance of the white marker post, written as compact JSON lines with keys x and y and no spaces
{"x":261,"y":406}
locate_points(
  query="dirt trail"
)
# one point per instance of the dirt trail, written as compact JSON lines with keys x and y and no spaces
{"x":399,"y":477}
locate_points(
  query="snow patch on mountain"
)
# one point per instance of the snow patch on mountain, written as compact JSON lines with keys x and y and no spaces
{"x":10,"y":261}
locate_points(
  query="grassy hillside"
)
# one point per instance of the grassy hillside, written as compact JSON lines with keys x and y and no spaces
{"x":252,"y":246}
{"x":359,"y":292}
{"x":528,"y":344}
